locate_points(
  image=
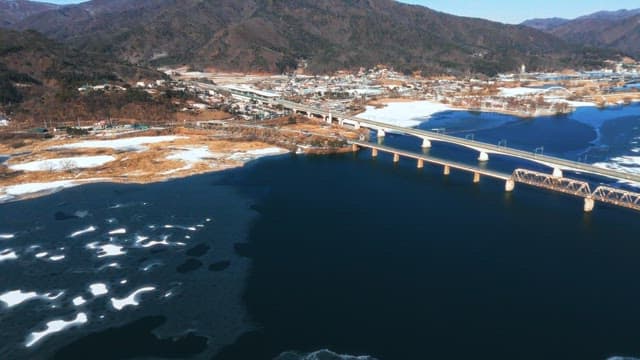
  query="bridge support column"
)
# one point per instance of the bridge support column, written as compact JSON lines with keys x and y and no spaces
{"x":589,"y":204}
{"x":447,"y":170}
{"x":381,"y":133}
{"x":557,"y":173}
{"x":354,"y":147}
{"x":426,"y":144}
{"x":357,"y":126}
{"x":476,"y":177}
{"x":509,"y":185}
{"x":420,"y":163}
{"x":374,"y":152}
{"x":396,"y":158}
{"x":329,"y":119}
{"x":483,"y":156}
{"x":309,"y":115}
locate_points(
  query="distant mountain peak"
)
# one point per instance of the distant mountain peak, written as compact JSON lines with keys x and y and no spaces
{"x":619,"y":29}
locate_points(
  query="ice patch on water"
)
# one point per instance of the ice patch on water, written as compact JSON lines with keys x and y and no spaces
{"x":98,"y":289}
{"x":17,"y":297}
{"x":8,"y":254}
{"x":7,"y":236}
{"x":57,"y":257}
{"x":55,"y":326}
{"x":81,"y":214}
{"x":623,"y":358}
{"x":106,"y":250}
{"x":40,"y":255}
{"x":142,"y":241}
{"x":189,"y":228}
{"x":628,"y":164}
{"x":132,"y":299}
{"x":83,"y":231}
{"x":118,"y":231}
{"x":78,"y":301}
{"x":323,"y":354}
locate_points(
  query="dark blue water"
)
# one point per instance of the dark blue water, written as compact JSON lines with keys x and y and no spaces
{"x":295,"y":254}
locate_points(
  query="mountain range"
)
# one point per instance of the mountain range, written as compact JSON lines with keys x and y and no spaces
{"x":618,"y":30}
{"x":13,"y":11}
{"x":327,"y":35}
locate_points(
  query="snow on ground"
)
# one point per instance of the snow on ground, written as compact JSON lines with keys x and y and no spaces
{"x":518,"y":91}
{"x":127,"y":144}
{"x":255,"y":154}
{"x":191,"y":155}
{"x":408,"y":114}
{"x":61,"y":164}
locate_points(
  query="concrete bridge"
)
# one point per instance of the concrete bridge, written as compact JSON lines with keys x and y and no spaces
{"x":558,"y":165}
{"x":555,"y":181}
{"x":578,"y":188}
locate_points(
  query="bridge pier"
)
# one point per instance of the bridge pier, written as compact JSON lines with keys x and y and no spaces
{"x":476,"y":177}
{"x":354,"y":147}
{"x":381,"y":133}
{"x":374,"y":152}
{"x":509,"y":185}
{"x":309,"y":115}
{"x":396,"y":157}
{"x":483,"y":156}
{"x":447,"y":170}
{"x":557,"y":173}
{"x":420,"y":163}
{"x":426,"y":144}
{"x":589,"y":204}
{"x":329,"y":119}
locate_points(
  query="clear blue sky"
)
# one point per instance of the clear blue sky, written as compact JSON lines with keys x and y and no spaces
{"x":509,"y":11}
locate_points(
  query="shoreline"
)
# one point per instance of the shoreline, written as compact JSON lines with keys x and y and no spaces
{"x":43,"y":167}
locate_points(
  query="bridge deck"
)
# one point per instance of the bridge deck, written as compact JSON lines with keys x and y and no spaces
{"x":490,"y":148}
{"x":434,"y":160}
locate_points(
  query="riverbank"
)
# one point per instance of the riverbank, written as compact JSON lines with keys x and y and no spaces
{"x":40,"y":167}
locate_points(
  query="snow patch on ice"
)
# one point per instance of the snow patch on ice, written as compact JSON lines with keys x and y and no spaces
{"x":7,"y":236}
{"x":132,"y":299}
{"x":17,"y":297}
{"x":8,"y":254}
{"x":55,"y":326}
{"x":118,"y":231}
{"x":78,"y":301}
{"x":106,"y":250}
{"x":98,"y":289}
{"x":83,"y":231}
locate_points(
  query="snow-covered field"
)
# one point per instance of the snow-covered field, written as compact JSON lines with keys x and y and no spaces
{"x":518,"y":91}
{"x":61,"y":164}
{"x":408,"y":114}
{"x":255,"y":154}
{"x":192,"y":155}
{"x":128,"y":144}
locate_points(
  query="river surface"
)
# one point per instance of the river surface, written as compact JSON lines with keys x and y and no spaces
{"x":295,"y":254}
